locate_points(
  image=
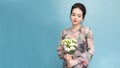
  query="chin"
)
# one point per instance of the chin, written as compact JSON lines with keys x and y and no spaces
{"x":75,"y":23}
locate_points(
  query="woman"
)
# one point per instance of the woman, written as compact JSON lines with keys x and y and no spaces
{"x":85,"y":49}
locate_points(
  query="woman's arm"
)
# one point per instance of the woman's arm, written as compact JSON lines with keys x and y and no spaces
{"x":90,"y":49}
{"x":60,"y":49}
{"x":85,"y":57}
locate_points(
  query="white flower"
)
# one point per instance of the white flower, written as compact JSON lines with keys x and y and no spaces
{"x":69,"y":44}
{"x":72,"y":44}
{"x":74,"y":40}
{"x":76,"y":45}
{"x":72,"y":48}
{"x":67,"y":49}
{"x":65,"y":43}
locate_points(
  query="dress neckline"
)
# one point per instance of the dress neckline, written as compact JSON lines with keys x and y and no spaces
{"x":79,"y":29}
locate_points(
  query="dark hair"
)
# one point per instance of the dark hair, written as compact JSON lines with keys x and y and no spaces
{"x":81,"y":7}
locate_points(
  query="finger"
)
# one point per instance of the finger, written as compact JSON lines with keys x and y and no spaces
{"x":68,"y":64}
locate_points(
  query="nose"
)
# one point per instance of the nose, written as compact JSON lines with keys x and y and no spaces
{"x":75,"y":17}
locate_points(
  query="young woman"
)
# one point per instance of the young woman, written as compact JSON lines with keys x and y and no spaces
{"x":85,"y":49}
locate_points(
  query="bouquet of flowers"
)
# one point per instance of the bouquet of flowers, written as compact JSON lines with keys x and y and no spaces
{"x":69,"y":45}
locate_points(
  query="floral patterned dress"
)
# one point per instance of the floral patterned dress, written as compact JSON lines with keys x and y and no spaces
{"x":85,"y":48}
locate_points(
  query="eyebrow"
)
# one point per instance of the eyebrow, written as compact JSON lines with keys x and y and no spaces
{"x":77,"y":14}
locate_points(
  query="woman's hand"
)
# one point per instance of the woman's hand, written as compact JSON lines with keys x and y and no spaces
{"x":68,"y":57}
{"x":71,"y":63}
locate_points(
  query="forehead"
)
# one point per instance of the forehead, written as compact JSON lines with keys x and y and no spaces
{"x":77,"y":11}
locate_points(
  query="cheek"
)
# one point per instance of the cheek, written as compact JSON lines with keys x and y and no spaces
{"x":71,"y":17}
{"x":80,"y":20}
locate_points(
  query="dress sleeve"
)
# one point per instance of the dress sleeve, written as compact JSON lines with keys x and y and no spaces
{"x":85,"y":58}
{"x":60,"y":49}
{"x":90,"y":48}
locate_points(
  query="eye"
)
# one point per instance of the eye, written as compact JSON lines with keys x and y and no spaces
{"x":73,"y":14}
{"x":79,"y":15}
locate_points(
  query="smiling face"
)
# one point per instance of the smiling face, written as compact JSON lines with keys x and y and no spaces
{"x":76,"y":16}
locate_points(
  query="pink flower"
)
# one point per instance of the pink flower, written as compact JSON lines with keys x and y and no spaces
{"x":84,"y":61}
{"x":75,"y":34}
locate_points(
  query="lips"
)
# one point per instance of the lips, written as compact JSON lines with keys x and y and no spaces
{"x":74,"y":21}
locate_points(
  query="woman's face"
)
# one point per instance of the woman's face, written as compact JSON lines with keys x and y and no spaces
{"x":76,"y":16}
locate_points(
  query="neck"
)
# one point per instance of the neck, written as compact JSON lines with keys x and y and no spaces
{"x":75,"y":27}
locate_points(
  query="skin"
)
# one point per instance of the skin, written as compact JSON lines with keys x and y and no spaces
{"x":76,"y":19}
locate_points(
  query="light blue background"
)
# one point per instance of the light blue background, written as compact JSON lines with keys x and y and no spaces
{"x":30,"y":31}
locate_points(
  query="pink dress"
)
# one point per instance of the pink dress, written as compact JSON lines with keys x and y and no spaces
{"x":85,"y":48}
